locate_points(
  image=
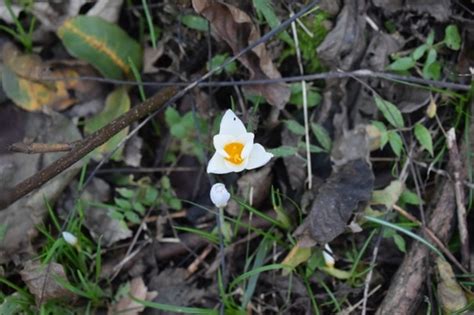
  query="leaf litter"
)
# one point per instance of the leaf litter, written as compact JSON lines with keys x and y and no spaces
{"x":352,"y":165}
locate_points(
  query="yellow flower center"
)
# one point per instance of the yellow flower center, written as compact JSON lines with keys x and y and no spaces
{"x":234,"y":150}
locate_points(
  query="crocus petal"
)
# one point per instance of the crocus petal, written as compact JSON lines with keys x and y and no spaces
{"x":217,"y":165}
{"x":220,"y":141}
{"x":258,"y":157}
{"x":247,"y":140}
{"x":231,"y":125}
{"x":236,"y":167}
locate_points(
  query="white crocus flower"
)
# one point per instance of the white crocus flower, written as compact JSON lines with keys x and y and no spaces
{"x":70,"y":238}
{"x":328,"y":256}
{"x":235,"y":150}
{"x":219,"y":195}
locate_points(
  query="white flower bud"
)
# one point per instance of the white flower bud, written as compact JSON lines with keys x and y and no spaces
{"x":70,"y":238}
{"x":219,"y":195}
{"x":328,"y":257}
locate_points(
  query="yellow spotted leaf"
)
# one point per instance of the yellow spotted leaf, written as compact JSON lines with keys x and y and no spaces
{"x":102,"y":44}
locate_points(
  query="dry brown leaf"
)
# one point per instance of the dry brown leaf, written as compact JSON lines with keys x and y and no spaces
{"x":42,"y":281}
{"x":450,"y":294}
{"x":22,"y":81}
{"x":235,"y":27}
{"x":127,"y":306}
{"x":253,"y":187}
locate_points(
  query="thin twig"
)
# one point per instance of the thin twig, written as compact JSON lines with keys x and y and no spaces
{"x":305,"y":103}
{"x":35,"y":148}
{"x":362,"y":73}
{"x":458,"y":176}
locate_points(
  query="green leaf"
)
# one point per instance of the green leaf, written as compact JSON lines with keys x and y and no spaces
{"x":125,"y":192}
{"x":117,"y":103}
{"x":432,"y":55}
{"x":172,"y":116}
{"x":175,"y":204}
{"x":430,"y":38}
{"x":400,"y":242}
{"x":402,"y":64}
{"x":295,"y":127}
{"x":424,"y":138}
{"x":132,"y":217}
{"x":151,"y":195}
{"x":313,"y":98}
{"x":123,"y":203}
{"x":103,"y":44}
{"x":283,"y":151}
{"x":432,"y":71}
{"x":419,"y":51}
{"x":390,"y":112}
{"x":265,"y":8}
{"x":452,"y":38}
{"x":383,"y":132}
{"x":137,"y":206}
{"x":218,"y":60}
{"x":395,"y":142}
{"x":322,"y":136}
{"x":410,"y":197}
{"x":195,"y":22}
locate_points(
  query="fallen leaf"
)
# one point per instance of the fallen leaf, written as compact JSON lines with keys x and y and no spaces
{"x":21,"y":77}
{"x":97,"y":219}
{"x":104,"y":45}
{"x":297,"y":255}
{"x":127,"y":306}
{"x":236,"y":28}
{"x":450,"y":294}
{"x":253,"y":187}
{"x":174,"y":289}
{"x":439,"y":9}
{"x":346,"y":191}
{"x":22,"y":216}
{"x":42,"y":281}
{"x":388,"y":196}
{"x":345,"y":43}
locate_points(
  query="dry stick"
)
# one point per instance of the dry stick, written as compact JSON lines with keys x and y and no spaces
{"x":405,"y":291}
{"x":433,"y":237}
{"x":85,"y":146}
{"x":459,"y":175}
{"x":34,"y":148}
{"x":305,"y":104}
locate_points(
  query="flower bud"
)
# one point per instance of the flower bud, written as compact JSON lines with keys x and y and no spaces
{"x":328,"y":257}
{"x":219,"y":195}
{"x":70,"y":238}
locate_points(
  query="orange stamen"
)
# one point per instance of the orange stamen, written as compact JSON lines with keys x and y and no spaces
{"x":234,"y":150}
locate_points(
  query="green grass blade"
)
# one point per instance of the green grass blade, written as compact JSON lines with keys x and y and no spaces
{"x":404,"y":231}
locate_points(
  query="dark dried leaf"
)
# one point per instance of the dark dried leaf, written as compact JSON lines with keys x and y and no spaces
{"x":342,"y":194}
{"x":344,"y":45}
{"x":235,"y":27}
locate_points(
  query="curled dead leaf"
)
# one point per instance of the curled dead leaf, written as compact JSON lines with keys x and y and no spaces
{"x":236,"y":28}
{"x":450,"y":294}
